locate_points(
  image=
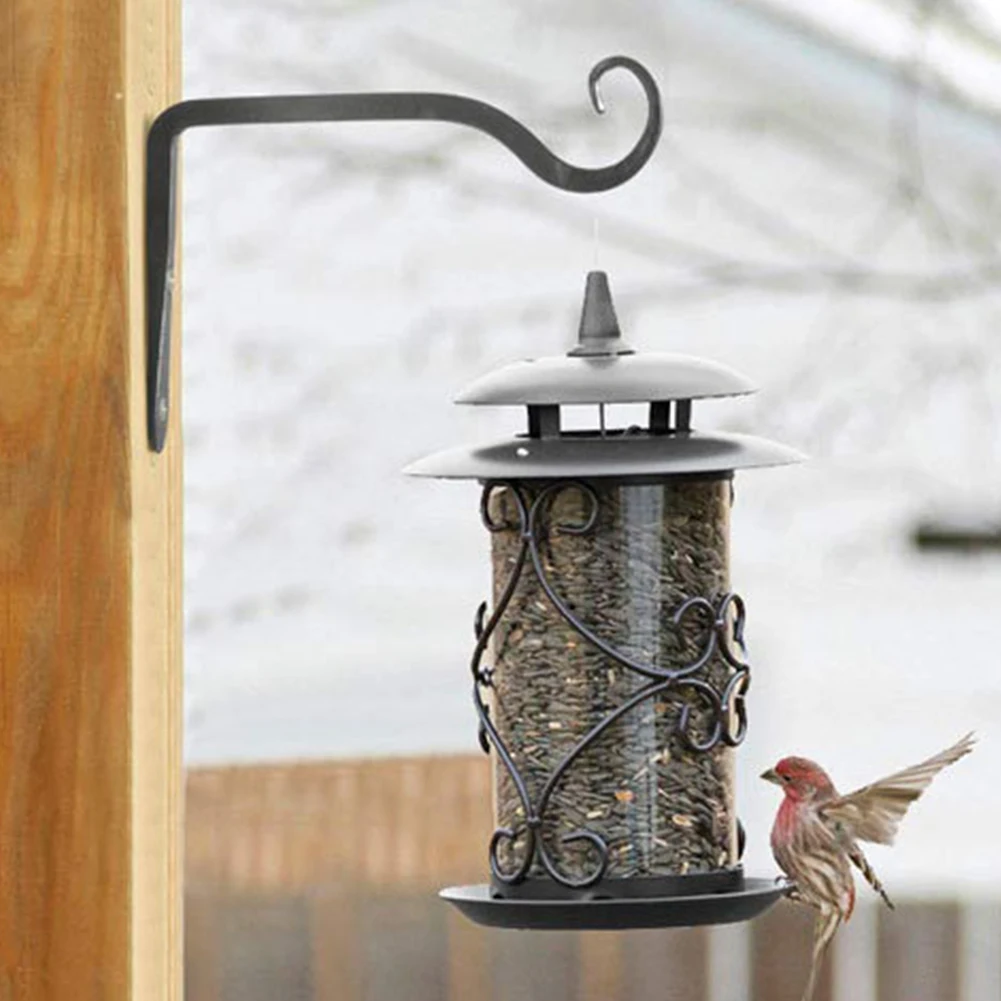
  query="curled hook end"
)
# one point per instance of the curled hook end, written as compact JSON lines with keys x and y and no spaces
{"x":594,"y":89}
{"x":638,"y":70}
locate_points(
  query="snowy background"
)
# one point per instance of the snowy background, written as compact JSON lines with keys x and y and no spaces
{"x":822,"y":214}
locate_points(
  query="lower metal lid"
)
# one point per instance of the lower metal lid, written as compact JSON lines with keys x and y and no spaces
{"x":617,"y":455}
{"x":480,"y":904}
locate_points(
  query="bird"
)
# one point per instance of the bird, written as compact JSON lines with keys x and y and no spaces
{"x":816,"y":834}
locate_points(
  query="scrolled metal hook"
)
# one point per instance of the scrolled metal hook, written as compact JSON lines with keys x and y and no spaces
{"x":161,"y":171}
{"x":594,"y":85}
{"x":638,"y":70}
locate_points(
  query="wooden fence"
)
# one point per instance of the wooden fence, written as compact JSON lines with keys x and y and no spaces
{"x":317,"y":883}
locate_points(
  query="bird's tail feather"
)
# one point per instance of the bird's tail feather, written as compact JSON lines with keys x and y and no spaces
{"x":827,"y":925}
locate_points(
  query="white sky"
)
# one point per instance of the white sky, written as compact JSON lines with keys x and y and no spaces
{"x":960,"y":47}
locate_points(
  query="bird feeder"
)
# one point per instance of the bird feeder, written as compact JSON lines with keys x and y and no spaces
{"x":609,"y":670}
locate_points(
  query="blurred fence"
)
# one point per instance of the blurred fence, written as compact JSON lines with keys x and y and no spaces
{"x":317,"y":882}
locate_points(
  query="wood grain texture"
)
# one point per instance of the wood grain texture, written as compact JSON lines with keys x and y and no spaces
{"x":89,"y":657}
{"x":415,"y":824}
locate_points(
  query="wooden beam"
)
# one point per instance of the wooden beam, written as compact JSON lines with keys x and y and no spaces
{"x":89,"y":520}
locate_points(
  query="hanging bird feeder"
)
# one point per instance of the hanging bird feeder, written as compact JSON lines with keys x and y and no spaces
{"x":609,"y":673}
{"x":609,"y":670}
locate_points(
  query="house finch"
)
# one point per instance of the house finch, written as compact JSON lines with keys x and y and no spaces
{"x":816,"y":833}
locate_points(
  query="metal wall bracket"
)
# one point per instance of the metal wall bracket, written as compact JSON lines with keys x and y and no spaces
{"x":162,"y":156}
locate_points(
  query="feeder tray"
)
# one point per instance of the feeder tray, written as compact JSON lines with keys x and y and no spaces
{"x":479,"y":904}
{"x":613,"y":696}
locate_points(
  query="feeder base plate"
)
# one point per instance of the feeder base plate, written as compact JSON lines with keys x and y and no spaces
{"x":478,"y":904}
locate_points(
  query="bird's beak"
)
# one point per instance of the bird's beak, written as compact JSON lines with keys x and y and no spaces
{"x":771,"y":776}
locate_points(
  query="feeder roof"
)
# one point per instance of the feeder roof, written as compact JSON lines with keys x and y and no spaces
{"x":603,"y":368}
{"x":624,"y":378}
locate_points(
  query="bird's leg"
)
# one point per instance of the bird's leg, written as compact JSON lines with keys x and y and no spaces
{"x":793,"y":894}
{"x":827,"y":925}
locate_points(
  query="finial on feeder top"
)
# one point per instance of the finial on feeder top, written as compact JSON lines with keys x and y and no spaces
{"x":599,"y":334}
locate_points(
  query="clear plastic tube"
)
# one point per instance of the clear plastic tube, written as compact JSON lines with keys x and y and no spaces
{"x":660,"y":807}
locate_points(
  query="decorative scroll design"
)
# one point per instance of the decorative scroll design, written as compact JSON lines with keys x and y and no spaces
{"x":726,"y":709}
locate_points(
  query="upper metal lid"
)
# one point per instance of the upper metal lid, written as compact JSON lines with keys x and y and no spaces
{"x":635,"y":378}
{"x":602,"y":368}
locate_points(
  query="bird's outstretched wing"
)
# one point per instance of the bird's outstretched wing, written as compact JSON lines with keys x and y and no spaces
{"x":874,"y":812}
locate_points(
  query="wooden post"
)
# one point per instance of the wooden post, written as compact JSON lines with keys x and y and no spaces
{"x":89,"y":520}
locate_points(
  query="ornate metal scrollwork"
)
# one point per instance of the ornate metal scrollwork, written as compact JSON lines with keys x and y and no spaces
{"x":725,"y":709}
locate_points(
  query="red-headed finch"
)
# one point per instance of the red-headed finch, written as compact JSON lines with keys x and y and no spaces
{"x":816,"y":834}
